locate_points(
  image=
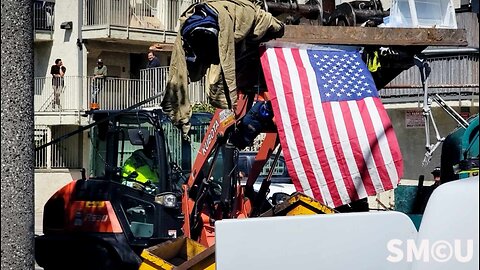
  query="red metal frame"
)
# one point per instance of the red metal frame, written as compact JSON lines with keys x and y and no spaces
{"x":222,"y":121}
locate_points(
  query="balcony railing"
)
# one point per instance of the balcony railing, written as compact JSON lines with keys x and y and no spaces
{"x":58,"y":155}
{"x":110,"y":93}
{"x":156,"y":80}
{"x":119,"y":93}
{"x":147,"y":14}
{"x":70,"y":94}
{"x":453,"y":76}
{"x":43,"y":15}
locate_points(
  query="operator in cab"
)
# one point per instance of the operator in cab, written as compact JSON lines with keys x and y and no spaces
{"x":139,"y":170}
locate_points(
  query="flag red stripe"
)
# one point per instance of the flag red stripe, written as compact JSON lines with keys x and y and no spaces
{"x":299,"y":143}
{"x":392,"y":139}
{"x":278,"y":119}
{"x":387,"y":181}
{"x":373,"y":142}
{"x":337,"y":148}
{"x":357,"y":149}
{"x":313,"y":124}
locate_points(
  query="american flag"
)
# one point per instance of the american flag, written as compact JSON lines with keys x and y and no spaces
{"x":337,"y":139}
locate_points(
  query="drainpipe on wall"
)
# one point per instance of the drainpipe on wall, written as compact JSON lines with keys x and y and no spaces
{"x":129,"y":19}
{"x":49,"y":149}
{"x":109,"y":12}
{"x":80,"y":58}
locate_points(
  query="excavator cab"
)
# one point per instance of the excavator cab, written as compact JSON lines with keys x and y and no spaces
{"x":102,"y":221}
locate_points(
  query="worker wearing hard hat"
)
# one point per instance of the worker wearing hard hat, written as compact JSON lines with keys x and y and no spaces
{"x":213,"y":35}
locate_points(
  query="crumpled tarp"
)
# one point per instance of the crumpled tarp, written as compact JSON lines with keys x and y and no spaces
{"x":240,"y":22}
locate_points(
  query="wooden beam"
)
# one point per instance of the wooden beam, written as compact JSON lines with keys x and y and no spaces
{"x":344,"y":35}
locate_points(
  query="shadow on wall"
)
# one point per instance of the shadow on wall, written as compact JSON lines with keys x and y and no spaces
{"x":42,"y":54}
{"x":67,"y":35}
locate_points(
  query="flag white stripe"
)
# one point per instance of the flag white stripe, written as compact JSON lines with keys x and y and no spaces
{"x":322,"y":124}
{"x":382,"y":139}
{"x":322,"y":183}
{"x":282,"y":103}
{"x":302,"y":118}
{"x":365,"y":146}
{"x":347,"y":149}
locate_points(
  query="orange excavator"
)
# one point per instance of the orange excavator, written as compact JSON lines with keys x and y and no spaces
{"x":105,"y":220}
{"x":205,"y":198}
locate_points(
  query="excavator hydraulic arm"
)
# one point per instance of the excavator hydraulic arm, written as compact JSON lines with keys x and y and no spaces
{"x":200,"y":207}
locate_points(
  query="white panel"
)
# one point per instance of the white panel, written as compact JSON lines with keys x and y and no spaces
{"x":451,"y":218}
{"x":338,"y":241}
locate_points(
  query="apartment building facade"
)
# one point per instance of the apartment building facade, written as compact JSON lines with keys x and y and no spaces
{"x":120,"y":33}
{"x":79,"y":32}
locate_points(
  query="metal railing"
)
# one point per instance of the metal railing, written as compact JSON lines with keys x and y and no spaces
{"x":70,"y":94}
{"x":41,"y":137}
{"x":147,"y":14}
{"x":176,"y":7}
{"x":63,"y":154}
{"x":156,"y":80}
{"x":43,"y":15}
{"x":453,"y":75}
{"x":118,"y":93}
{"x":109,"y":93}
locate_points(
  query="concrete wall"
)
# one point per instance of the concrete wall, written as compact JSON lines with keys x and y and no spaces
{"x":41,"y":61}
{"x":412,"y":140}
{"x":17,"y":135}
{"x":118,"y":64}
{"x":64,"y":44}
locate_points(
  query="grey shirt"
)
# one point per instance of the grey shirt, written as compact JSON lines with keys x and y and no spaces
{"x":100,"y":71}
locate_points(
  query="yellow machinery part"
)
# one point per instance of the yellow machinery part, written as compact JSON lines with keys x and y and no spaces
{"x":299,"y":204}
{"x":184,"y":253}
{"x":181,"y":253}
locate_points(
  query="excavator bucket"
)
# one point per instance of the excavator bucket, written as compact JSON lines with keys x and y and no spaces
{"x":181,"y":253}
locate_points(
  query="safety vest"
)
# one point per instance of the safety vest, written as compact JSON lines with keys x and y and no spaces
{"x":373,"y":63}
{"x":141,"y":164}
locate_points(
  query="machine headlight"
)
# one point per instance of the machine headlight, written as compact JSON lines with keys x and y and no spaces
{"x":167,"y":199}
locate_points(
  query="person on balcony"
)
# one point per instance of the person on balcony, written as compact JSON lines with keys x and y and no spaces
{"x":99,"y":75}
{"x":100,"y":71}
{"x":58,"y":72}
{"x":153,"y":61}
